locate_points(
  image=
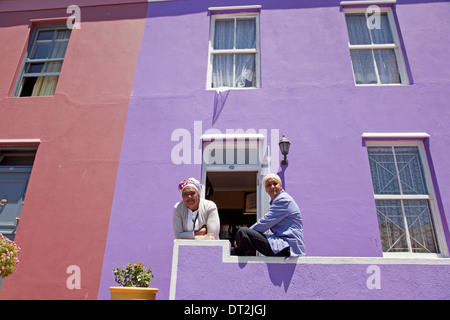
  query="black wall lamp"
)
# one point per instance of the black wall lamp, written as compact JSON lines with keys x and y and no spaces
{"x":284,"y":148}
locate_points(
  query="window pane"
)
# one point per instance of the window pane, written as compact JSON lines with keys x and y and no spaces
{"x":246,"y":34}
{"x":35,"y":68}
{"x":44,"y":67}
{"x":383,"y":34}
{"x":41,"y":50}
{"x":245,"y":70}
{"x":387,"y":66}
{"x":383,"y":170}
{"x":224,"y":34}
{"x":62,"y":34}
{"x":410,"y":170}
{"x":53,"y":66}
{"x":363,"y":67}
{"x":223,"y":67}
{"x":59,"y":49}
{"x":392,"y":226}
{"x":420,"y":226}
{"x":358,"y":33}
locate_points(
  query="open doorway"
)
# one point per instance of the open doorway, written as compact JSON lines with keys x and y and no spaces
{"x":232,"y":170}
{"x":235,"y":194}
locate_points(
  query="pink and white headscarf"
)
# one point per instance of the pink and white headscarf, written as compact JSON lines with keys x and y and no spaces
{"x":192,"y":182}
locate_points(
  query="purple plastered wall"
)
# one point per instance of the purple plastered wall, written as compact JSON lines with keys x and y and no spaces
{"x":307,"y":93}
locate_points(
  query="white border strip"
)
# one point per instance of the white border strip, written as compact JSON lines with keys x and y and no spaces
{"x":393,"y":135}
{"x":234,"y":8}
{"x":349,"y":3}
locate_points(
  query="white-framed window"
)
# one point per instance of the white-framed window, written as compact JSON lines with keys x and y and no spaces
{"x":375,"y":49}
{"x":234,"y":51}
{"x":407,"y":210}
{"x":43,"y":61}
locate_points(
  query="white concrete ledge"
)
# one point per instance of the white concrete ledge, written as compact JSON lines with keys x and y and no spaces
{"x":306,"y":260}
{"x":369,"y":2}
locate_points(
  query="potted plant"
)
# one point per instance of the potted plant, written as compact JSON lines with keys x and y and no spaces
{"x":9,"y":256}
{"x":133,"y":281}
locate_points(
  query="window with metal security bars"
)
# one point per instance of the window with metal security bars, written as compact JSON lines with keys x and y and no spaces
{"x":43,"y":61}
{"x":403,"y":200}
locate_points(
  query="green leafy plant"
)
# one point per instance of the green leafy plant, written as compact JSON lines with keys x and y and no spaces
{"x":133,"y":275}
{"x":9,"y":256}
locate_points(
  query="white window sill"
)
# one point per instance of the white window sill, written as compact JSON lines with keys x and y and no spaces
{"x":367,"y":2}
{"x":381,"y":85}
{"x":230,"y":88}
{"x":414,"y":258}
{"x":392,"y":135}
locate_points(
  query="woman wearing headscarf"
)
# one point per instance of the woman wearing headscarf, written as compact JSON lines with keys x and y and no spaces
{"x":194,"y":216}
{"x":283,"y":219}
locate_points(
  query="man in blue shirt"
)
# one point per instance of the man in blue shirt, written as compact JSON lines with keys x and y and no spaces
{"x":283,"y":219}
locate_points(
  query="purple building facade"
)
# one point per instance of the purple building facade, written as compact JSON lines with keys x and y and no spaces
{"x":150,"y":92}
{"x":365,"y":107}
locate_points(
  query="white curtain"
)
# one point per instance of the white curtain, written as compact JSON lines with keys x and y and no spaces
{"x":367,"y":63}
{"x":45,"y":86}
{"x":234,"y":70}
{"x":60,"y":44}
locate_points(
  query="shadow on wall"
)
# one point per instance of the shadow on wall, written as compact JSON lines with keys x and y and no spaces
{"x":281,"y":274}
{"x":281,"y":175}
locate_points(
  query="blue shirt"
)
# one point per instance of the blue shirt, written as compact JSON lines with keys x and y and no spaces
{"x":285,"y":221}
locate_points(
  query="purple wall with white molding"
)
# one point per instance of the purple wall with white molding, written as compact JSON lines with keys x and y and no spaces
{"x":244,"y":278}
{"x":307,"y":93}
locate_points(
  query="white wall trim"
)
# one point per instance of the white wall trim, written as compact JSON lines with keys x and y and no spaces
{"x":211,"y":137}
{"x":19,"y":142}
{"x":400,"y":135}
{"x":256,"y":7}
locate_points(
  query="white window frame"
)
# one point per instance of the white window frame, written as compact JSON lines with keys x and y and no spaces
{"x":430,"y":197}
{"x":212,"y":51}
{"x":396,"y":46}
{"x":260,"y":167}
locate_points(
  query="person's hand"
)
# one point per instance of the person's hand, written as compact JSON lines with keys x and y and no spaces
{"x":235,"y":245}
{"x":201,"y":232}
